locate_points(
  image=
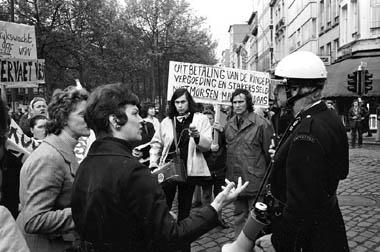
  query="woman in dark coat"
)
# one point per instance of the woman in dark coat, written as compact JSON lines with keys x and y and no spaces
{"x":117,"y":204}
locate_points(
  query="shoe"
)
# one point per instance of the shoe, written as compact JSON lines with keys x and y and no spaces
{"x":223,"y":224}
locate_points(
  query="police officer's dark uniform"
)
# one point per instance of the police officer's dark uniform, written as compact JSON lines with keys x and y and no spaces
{"x":310,"y":161}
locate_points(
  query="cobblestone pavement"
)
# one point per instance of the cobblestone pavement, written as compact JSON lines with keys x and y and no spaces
{"x":359,"y":198}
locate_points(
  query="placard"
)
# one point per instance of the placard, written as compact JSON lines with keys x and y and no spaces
{"x":215,"y":85}
{"x":17,"y":41}
{"x":17,"y":71}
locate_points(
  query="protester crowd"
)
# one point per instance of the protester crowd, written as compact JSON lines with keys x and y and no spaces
{"x":113,"y":201}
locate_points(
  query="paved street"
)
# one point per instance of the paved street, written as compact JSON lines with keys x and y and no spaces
{"x":359,"y":197}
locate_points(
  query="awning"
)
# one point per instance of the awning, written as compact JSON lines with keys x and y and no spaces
{"x":336,"y":85}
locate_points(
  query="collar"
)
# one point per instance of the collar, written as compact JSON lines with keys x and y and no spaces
{"x":183,"y":117}
{"x":312,"y":109}
{"x":110,"y":146}
{"x":247,"y":120}
{"x":64,"y":144}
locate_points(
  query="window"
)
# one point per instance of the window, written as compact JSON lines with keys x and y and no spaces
{"x":299,"y":37}
{"x":344,"y":26}
{"x":322,"y":50}
{"x":292,"y":41}
{"x":328,"y":49}
{"x":333,"y":8}
{"x":335,"y":50}
{"x":328,"y":12}
{"x":355,"y":16}
{"x":322,"y":14}
{"x":306,"y":32}
{"x":314,"y":28}
{"x":375,"y":14}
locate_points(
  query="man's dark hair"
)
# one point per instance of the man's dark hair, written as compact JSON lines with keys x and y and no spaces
{"x":178,"y":93}
{"x":60,"y":107}
{"x":108,"y":100}
{"x":248,"y":98}
{"x":34,"y":119}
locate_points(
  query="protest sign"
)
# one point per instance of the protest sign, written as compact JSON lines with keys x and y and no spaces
{"x":215,"y":85}
{"x":16,"y":71}
{"x":17,"y":137}
{"x":17,"y":41}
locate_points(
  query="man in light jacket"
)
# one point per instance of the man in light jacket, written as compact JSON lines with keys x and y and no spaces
{"x":193,"y":131}
{"x":248,"y":138}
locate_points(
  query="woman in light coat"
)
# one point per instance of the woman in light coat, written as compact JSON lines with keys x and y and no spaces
{"x":47,"y":176}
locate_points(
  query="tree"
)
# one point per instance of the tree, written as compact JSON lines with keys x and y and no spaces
{"x":100,"y":41}
{"x":171,"y":32}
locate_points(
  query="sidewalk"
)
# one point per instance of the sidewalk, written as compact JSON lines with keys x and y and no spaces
{"x":366,"y":140}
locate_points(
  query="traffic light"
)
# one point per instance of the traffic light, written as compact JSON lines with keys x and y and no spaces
{"x":352,"y":82}
{"x":367,"y":81}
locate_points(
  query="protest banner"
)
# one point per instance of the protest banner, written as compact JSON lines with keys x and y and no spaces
{"x":18,"y":142}
{"x":14,"y":72}
{"x":17,"y":41}
{"x":215,"y":85}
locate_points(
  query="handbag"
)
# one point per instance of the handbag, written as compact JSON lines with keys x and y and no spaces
{"x":173,"y":171}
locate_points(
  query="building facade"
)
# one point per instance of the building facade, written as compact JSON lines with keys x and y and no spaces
{"x":328,"y":30}
{"x":344,"y":33}
{"x":280,"y":36}
{"x":237,"y":33}
{"x":251,"y":45}
{"x":302,"y":25}
{"x":354,"y":43}
{"x":264,"y":36}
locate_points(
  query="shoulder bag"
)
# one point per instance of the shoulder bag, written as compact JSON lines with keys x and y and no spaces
{"x":173,"y":171}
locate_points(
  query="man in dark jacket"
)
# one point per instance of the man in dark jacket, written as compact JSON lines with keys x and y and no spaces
{"x":310,"y":160}
{"x":248,"y":137}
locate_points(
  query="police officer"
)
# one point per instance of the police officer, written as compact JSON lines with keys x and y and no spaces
{"x":310,"y":160}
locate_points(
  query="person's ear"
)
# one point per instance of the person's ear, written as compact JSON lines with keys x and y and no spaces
{"x":114,"y":122}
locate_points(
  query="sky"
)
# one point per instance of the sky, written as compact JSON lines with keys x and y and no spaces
{"x":220,"y":15}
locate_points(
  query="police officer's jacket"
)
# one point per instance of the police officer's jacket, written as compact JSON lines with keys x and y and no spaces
{"x":309,"y":162}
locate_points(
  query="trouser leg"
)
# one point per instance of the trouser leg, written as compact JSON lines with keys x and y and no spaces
{"x":170,"y":190}
{"x":185,"y":196}
{"x":353,"y":135}
{"x":206,"y":194}
{"x":360,"y":135}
